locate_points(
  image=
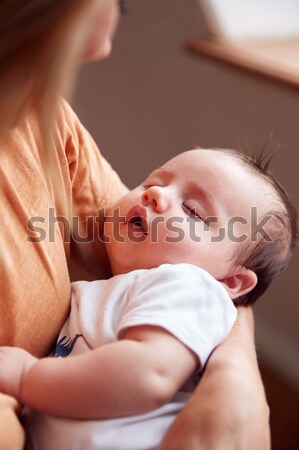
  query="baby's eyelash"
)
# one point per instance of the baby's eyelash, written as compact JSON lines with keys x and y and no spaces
{"x":147,"y":186}
{"x":192,"y":212}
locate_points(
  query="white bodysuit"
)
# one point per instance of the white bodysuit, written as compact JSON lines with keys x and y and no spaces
{"x":183,"y":299}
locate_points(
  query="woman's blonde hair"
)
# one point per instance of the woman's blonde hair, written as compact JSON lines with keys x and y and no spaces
{"x":38,"y":44}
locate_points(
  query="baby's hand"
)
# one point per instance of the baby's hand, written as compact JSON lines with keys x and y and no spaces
{"x":14,"y":363}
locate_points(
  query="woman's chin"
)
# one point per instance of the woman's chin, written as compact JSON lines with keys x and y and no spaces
{"x":97,"y":53}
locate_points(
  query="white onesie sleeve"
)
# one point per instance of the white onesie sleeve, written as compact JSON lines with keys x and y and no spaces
{"x":184,"y":300}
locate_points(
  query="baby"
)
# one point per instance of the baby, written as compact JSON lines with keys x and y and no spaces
{"x":208,"y":230}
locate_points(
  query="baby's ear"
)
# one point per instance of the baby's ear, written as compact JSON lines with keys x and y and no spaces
{"x":241,"y":282}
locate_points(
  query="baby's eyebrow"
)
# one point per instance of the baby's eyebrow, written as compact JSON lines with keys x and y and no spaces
{"x":162,"y":173}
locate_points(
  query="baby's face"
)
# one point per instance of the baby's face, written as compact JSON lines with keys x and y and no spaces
{"x":194,"y":209}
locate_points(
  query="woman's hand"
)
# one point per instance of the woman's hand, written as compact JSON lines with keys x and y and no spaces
{"x":228,"y":409}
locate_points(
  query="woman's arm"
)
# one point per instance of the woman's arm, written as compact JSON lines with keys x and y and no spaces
{"x":229,"y":407}
{"x":131,"y":376}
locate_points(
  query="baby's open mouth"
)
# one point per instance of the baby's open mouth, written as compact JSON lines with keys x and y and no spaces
{"x":139,"y":224}
{"x":137,"y":219}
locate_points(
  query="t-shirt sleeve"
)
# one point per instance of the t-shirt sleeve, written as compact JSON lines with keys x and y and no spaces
{"x":95,"y":185}
{"x":185,"y":301}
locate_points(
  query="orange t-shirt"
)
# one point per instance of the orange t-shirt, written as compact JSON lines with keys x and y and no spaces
{"x":34,"y":277}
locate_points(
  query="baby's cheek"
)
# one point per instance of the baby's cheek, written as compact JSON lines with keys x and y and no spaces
{"x":167,"y":232}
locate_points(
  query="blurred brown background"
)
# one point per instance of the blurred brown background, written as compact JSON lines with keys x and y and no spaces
{"x":153,"y":99}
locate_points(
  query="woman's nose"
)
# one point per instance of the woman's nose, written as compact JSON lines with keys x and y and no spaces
{"x":156,"y":197}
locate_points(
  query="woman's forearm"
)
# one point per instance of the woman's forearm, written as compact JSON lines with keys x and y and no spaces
{"x":239,"y":344}
{"x":228,"y":408}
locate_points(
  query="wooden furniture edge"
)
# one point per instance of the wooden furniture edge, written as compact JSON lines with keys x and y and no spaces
{"x":239,"y":57}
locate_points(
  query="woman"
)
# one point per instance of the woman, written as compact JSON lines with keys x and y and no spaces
{"x":52,"y":174}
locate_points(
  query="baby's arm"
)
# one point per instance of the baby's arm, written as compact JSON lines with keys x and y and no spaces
{"x":131,"y":376}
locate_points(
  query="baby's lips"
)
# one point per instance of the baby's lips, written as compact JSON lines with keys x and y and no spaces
{"x":144,"y":225}
{"x":138,"y":212}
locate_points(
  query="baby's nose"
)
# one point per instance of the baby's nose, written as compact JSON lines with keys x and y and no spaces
{"x":156,"y":197}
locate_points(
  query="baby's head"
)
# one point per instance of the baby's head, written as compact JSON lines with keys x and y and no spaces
{"x":274,"y":238}
{"x":217,"y":209}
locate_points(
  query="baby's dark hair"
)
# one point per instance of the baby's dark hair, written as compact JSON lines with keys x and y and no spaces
{"x":268,"y":257}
